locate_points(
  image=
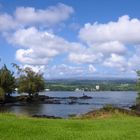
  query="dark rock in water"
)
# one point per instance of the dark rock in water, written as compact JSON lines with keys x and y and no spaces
{"x":72,"y":102}
{"x":72,"y":97}
{"x":51,"y":102}
{"x":46,"y":116}
{"x":83,"y":103}
{"x":85,"y":97}
{"x":42,"y":97}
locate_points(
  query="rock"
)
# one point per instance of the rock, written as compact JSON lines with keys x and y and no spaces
{"x":52,"y":102}
{"x":85,"y":97}
{"x":72,"y":97}
{"x":83,"y":103}
{"x":72,"y":102}
{"x":46,"y":116}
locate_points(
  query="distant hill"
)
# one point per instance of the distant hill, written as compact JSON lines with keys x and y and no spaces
{"x":105,"y":84}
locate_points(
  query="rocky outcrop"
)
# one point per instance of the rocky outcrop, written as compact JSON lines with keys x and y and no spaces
{"x":46,"y":116}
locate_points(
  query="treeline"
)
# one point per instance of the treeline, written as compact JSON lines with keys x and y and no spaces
{"x":91,"y":85}
{"x":25,"y":81}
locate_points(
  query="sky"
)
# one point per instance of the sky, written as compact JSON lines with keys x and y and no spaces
{"x":71,"y":38}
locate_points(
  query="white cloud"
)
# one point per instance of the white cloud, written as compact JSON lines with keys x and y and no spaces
{"x":36,"y":68}
{"x":38,"y":47}
{"x":125,"y":30}
{"x":109,"y":47}
{"x":7,"y":22}
{"x":97,"y":52}
{"x":28,"y":16}
{"x":69,"y":71}
{"x":116,"y":61}
{"x":110,"y":40}
{"x":29,"y":57}
{"x":103,"y":44}
{"x":85,"y":57}
{"x":52,"y":15}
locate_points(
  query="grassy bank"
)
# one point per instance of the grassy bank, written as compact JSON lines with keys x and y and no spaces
{"x":113,"y":128}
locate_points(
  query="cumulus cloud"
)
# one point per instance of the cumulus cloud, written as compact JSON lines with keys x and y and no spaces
{"x":29,"y":57}
{"x":70,"y":71}
{"x":109,"y":47}
{"x":7,"y":22}
{"x":97,"y":52}
{"x":85,"y":57}
{"x":116,"y":61}
{"x":102,"y":44}
{"x":28,"y":16}
{"x":38,"y":47}
{"x":107,"y":44}
{"x":124,"y":30}
{"x":35,"y":68}
{"x":51,"y":15}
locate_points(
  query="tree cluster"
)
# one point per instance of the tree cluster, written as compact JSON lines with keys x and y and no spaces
{"x":27,"y":81}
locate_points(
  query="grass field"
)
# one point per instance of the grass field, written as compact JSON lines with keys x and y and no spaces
{"x":23,"y":128}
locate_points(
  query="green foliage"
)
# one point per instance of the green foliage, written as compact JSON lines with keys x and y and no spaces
{"x":30,"y":82}
{"x":138,"y":81}
{"x":138,"y":86}
{"x":89,"y":85}
{"x":7,"y":81}
{"x":108,"y":107}
{"x":2,"y":95}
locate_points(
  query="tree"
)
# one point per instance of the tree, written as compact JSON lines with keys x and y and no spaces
{"x":138,"y":86}
{"x":2,"y":95}
{"x":7,"y":82}
{"x":30,"y":82}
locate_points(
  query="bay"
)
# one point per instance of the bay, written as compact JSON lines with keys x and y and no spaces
{"x":123,"y":99}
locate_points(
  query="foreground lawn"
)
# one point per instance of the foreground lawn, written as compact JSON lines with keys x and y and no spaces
{"x":23,"y":128}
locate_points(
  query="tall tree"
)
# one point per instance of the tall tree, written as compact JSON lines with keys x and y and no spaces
{"x":138,"y":86}
{"x":30,"y":82}
{"x":7,"y":82}
{"x":2,"y":95}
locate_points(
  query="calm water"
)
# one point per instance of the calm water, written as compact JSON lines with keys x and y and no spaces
{"x":120,"y":99}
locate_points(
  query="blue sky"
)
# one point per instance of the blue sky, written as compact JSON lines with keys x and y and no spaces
{"x":72,"y":38}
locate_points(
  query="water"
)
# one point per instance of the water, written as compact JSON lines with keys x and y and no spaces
{"x":118,"y":98}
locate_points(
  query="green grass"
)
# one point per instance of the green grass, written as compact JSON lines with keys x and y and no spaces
{"x":24,"y":128}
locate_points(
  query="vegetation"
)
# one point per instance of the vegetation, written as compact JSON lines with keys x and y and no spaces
{"x":108,"y":111}
{"x":2,"y":95}
{"x":138,"y":86}
{"x":114,"y":128}
{"x":7,"y":82}
{"x":90,"y":85}
{"x":30,"y":82}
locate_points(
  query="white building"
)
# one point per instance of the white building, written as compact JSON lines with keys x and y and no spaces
{"x":97,"y":87}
